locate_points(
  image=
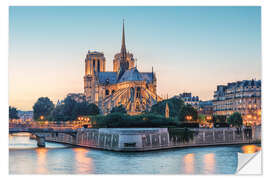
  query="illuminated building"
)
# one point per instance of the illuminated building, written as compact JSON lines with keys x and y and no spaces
{"x":206,"y":108}
{"x":125,"y":85}
{"x":25,"y":115}
{"x":241,"y":96}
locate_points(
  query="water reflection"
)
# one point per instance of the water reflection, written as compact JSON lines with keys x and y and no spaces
{"x":83,"y":163}
{"x":209,"y":163}
{"x":189,"y":163}
{"x":248,"y":149}
{"x":25,"y":158}
{"x":42,"y":160}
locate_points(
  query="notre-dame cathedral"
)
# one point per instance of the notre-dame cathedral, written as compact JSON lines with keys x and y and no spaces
{"x":136,"y":91}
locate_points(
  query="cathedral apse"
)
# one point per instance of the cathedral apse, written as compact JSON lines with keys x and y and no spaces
{"x":125,"y":85}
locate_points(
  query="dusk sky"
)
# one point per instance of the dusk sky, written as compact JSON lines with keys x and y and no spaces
{"x":192,"y":49}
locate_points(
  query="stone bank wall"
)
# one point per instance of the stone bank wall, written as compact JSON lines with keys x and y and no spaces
{"x":144,"y":139}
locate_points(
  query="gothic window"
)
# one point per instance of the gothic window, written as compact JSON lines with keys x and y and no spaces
{"x":107,"y":92}
{"x":94,"y":65}
{"x":98,"y":66}
{"x":138,"y":93}
{"x":131,"y":94}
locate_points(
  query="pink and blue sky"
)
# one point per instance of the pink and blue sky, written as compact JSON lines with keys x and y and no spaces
{"x":192,"y":49}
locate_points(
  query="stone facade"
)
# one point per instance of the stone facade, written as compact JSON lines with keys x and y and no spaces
{"x":117,"y":58}
{"x":206,"y":108}
{"x":146,"y":139}
{"x":241,"y":96}
{"x":189,"y":99}
{"x":125,"y":85}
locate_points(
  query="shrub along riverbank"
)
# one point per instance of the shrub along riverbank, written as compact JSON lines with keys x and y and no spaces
{"x":121,"y":120}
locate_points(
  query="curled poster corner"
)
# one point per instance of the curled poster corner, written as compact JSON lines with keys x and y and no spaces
{"x":249,"y":163}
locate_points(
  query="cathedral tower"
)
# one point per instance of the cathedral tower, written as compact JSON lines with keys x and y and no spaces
{"x":94,"y":63}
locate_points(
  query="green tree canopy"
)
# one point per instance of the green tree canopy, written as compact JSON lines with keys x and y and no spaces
{"x":201,"y":118}
{"x":219,"y":119}
{"x":43,"y":108}
{"x":68,"y":108}
{"x":174,"y":106}
{"x":119,"y":109}
{"x":187,"y":110}
{"x":71,"y":109}
{"x":122,"y":120}
{"x":13,"y":113}
{"x":58,"y":113}
{"x":93,"y":109}
{"x":235,"y":119}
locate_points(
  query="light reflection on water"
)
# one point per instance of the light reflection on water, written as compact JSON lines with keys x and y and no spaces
{"x":41,"y":160}
{"x":26,"y":158}
{"x":189,"y":163}
{"x":248,"y":149}
{"x":209,"y":163}
{"x":83,"y":163}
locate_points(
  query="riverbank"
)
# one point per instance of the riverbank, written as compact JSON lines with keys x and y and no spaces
{"x":149,"y":139}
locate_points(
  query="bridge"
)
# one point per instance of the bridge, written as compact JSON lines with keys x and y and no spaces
{"x":40,"y":129}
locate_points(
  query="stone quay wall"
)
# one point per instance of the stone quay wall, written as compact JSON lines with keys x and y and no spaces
{"x":145,"y":139}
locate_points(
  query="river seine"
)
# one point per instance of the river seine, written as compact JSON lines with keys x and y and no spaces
{"x":26,"y":158}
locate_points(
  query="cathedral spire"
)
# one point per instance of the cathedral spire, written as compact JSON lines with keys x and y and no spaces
{"x":123,"y":47}
{"x":124,"y":65}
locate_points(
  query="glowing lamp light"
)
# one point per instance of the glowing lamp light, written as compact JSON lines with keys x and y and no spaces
{"x":41,"y":117}
{"x":188,"y":117}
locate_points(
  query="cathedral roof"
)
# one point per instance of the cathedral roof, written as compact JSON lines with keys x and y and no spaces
{"x":107,"y":77}
{"x":148,"y":76}
{"x":131,"y":75}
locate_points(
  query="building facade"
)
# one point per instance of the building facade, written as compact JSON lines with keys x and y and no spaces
{"x":189,"y":99}
{"x":125,"y":85}
{"x":206,"y":108}
{"x":241,"y":96}
{"x":25,"y":116}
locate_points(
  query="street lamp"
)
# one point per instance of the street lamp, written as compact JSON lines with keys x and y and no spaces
{"x":188,"y":117}
{"x":208,"y":118}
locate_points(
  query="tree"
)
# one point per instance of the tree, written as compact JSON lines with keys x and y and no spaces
{"x":93,"y":109}
{"x":13,"y":113}
{"x":174,"y":106}
{"x":43,"y":108}
{"x":85,"y":109}
{"x":201,"y":118}
{"x":187,"y":111}
{"x":235,"y":119}
{"x":73,"y":107}
{"x":68,"y":108}
{"x":119,"y":109}
{"x":219,"y":119}
{"x":58,"y":113}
